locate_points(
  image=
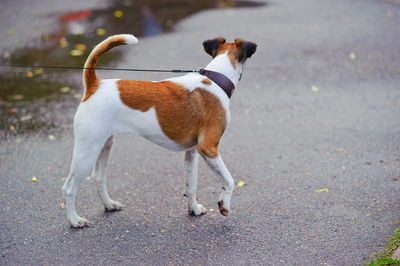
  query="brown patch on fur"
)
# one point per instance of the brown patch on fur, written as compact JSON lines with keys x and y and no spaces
{"x":90,"y":80}
{"x":90,"y":90}
{"x":206,"y":81}
{"x":222,"y":209}
{"x":185,"y":117}
{"x":232,"y":50}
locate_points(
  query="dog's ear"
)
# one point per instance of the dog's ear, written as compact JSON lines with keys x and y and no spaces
{"x":246,"y":49}
{"x":211,"y":46}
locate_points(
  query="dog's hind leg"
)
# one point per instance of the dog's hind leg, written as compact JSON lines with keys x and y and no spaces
{"x":83,"y":158}
{"x":100,"y":177}
{"x":191,"y":163}
{"x":214,"y":160}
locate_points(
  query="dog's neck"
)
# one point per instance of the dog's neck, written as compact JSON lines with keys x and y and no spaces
{"x":223,"y":65}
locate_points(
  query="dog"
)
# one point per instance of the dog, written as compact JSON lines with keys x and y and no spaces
{"x":187,"y":113}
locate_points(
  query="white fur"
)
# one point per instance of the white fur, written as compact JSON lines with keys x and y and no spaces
{"x":104,"y":115}
{"x":130,"y":39}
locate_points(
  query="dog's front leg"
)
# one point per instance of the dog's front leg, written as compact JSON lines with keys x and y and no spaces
{"x":191,"y":163}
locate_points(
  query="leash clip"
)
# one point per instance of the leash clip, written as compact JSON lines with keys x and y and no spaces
{"x":200,"y":70}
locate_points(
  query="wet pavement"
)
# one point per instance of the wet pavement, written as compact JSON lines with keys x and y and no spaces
{"x":315,"y":136}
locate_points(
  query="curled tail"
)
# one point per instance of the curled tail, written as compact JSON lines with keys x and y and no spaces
{"x":90,"y":80}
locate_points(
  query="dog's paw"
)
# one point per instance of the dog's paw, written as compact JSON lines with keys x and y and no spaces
{"x":114,"y":206}
{"x":197,"y":210}
{"x":224,"y":211}
{"x":79,"y":222}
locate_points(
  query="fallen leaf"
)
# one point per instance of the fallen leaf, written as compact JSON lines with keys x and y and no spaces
{"x":25,"y":117}
{"x":100,"y":31}
{"x":38,"y":71}
{"x":352,"y":56}
{"x":396,"y":178}
{"x":340,"y":149}
{"x":34,"y":179}
{"x":80,"y":46}
{"x":118,"y":13}
{"x":65,"y":89}
{"x":10,"y":31}
{"x":62,"y":206}
{"x":17,"y":97}
{"x":389,"y":14}
{"x":241,"y":183}
{"x":51,"y":137}
{"x":162,"y":230}
{"x":29,"y":74}
{"x":12,"y":128}
{"x":314,"y":88}
{"x":322,"y":190}
{"x":63,"y":179}
{"x":76,"y":52}
{"x":63,"y":42}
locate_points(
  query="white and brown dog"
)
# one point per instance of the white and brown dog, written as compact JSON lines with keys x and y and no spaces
{"x":187,"y":113}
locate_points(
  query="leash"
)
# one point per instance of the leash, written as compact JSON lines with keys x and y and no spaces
{"x":102,"y":68}
{"x":221,"y":80}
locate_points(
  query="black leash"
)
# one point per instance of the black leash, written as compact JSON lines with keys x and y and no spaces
{"x":102,"y":68}
{"x":220,"y":79}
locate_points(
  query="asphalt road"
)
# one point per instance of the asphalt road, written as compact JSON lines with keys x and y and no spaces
{"x":315,"y":135}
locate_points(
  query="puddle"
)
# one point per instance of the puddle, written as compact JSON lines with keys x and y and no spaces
{"x":31,"y":98}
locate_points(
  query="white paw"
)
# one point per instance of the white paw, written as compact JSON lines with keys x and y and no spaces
{"x":79,"y":222}
{"x":114,"y":206}
{"x":197,"y":209}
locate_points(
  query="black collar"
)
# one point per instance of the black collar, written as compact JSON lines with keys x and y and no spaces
{"x":221,"y":80}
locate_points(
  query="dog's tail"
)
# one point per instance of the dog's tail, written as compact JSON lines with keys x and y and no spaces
{"x":89,"y":74}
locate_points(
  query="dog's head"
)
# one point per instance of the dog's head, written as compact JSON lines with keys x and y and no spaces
{"x":238,"y":52}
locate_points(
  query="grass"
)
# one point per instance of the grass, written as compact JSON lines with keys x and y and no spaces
{"x":385,"y":258}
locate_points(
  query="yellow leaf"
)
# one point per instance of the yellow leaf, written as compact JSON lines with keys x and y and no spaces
{"x":38,"y":71}
{"x":322,"y":190}
{"x":241,"y":183}
{"x":34,"y":179}
{"x":80,"y":46}
{"x":118,"y":13}
{"x":339,"y":149}
{"x":10,"y":31}
{"x":76,"y":52}
{"x":100,"y":31}
{"x":352,"y":56}
{"x":63,"y":179}
{"x":65,"y":89}
{"x":314,"y":88}
{"x":29,"y":74}
{"x":51,"y":137}
{"x":162,"y":230}
{"x":62,"y":206}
